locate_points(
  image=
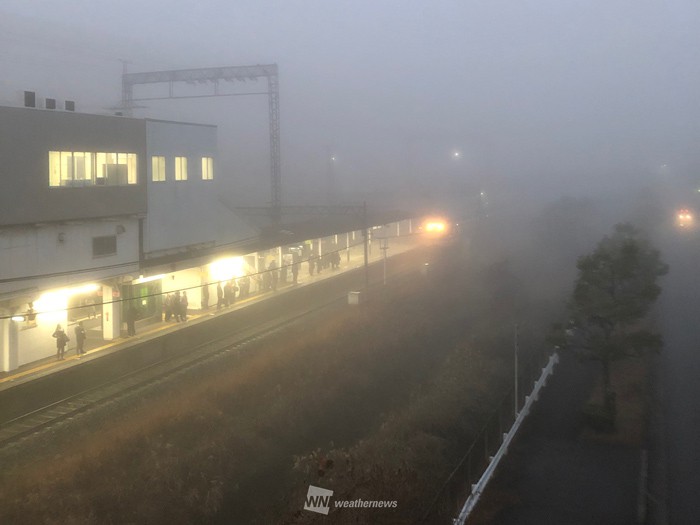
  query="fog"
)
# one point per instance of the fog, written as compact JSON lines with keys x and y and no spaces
{"x":541,"y":98}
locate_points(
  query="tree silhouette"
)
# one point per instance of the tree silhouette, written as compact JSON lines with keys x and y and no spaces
{"x":614,"y":290}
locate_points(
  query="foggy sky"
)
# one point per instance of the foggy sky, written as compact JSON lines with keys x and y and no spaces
{"x":540,"y":96}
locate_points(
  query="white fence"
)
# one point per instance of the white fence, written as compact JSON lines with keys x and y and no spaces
{"x":479,"y":487}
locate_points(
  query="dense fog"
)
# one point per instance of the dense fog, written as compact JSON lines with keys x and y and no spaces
{"x":525,"y":100}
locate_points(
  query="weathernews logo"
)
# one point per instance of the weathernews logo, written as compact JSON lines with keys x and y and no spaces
{"x":319,"y":500}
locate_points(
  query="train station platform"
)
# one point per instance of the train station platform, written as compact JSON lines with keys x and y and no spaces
{"x":149,"y":329}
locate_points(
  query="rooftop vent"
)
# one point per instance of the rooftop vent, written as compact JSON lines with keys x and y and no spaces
{"x":29,"y":99}
{"x":70,"y":105}
{"x":50,"y":103}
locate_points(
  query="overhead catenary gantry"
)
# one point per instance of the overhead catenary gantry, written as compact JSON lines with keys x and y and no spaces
{"x":214,"y":75}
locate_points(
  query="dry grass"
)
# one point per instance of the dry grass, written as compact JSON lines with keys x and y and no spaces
{"x":630,"y":379}
{"x":381,"y":388}
{"x":412,"y":453}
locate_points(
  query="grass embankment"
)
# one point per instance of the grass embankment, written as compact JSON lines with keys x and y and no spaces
{"x":391,"y":390}
{"x":631,"y":380}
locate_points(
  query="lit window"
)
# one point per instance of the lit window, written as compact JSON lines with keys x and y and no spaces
{"x":100,"y":169}
{"x":158,"y":168}
{"x":207,"y":168}
{"x":54,"y":168}
{"x":180,"y":168}
{"x":84,"y":168}
{"x":132,"y":170}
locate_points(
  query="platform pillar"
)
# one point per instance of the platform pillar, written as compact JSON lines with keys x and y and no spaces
{"x":111,"y":314}
{"x":9,"y":347}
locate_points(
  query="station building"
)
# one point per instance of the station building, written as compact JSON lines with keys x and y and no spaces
{"x":88,"y":203}
{"x":102,"y":216}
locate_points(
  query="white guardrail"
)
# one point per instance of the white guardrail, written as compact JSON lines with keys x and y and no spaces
{"x":479,"y":486}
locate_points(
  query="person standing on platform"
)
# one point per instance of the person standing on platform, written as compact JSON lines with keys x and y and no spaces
{"x":168,"y":305}
{"x":80,"y":337}
{"x":228,"y":291}
{"x":244,"y":284}
{"x":61,"y":340}
{"x":274,"y":275}
{"x":234,"y":290}
{"x":205,"y":296}
{"x":175,"y":305}
{"x":295,"y":272}
{"x":131,"y":315}
{"x":219,"y":296}
{"x":183,"y":306}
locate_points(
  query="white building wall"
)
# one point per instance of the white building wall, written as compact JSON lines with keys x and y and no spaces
{"x":189,"y":281}
{"x":52,"y":249}
{"x":187,"y":213}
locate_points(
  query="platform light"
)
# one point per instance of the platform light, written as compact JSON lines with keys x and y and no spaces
{"x":51,"y":305}
{"x":226,"y":269}
{"x":18,"y":318}
{"x":148,"y":279}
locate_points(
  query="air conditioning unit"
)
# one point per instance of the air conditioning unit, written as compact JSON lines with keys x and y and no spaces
{"x":50,"y":103}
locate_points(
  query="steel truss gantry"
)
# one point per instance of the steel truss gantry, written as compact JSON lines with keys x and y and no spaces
{"x":214,"y":75}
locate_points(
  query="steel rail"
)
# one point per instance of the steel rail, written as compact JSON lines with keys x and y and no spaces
{"x":135,"y":381}
{"x":141,"y":379}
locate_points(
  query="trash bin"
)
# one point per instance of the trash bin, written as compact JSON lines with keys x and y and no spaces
{"x":354,"y":297}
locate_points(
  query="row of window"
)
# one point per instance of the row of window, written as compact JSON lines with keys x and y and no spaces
{"x":158,"y":168}
{"x":81,"y":168}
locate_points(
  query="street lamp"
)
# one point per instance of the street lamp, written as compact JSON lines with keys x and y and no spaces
{"x":330,"y":178}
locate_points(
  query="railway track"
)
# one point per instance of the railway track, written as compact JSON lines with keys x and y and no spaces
{"x":132,"y":384}
{"x":37,"y":422}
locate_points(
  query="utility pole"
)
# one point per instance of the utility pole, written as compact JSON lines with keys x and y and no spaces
{"x":384,"y":246}
{"x":331,"y":186}
{"x":515,"y":360}
{"x":213,"y":75}
{"x":365,"y":234}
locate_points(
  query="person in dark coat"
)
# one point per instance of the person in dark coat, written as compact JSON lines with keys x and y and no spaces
{"x":205,"y":296}
{"x":234,"y":290}
{"x":335,"y":260}
{"x":168,"y":304}
{"x":244,"y":283}
{"x":175,"y":305}
{"x":283,"y":272}
{"x":295,"y":272}
{"x":61,"y":340}
{"x":219,"y":296}
{"x":228,"y":292}
{"x":274,"y":275}
{"x":184,"y":303}
{"x":80,"y":336}
{"x":131,"y":315}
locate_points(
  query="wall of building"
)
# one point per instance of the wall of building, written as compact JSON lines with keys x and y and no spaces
{"x":184,"y":215}
{"x":63,"y":254}
{"x":26,"y":137}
